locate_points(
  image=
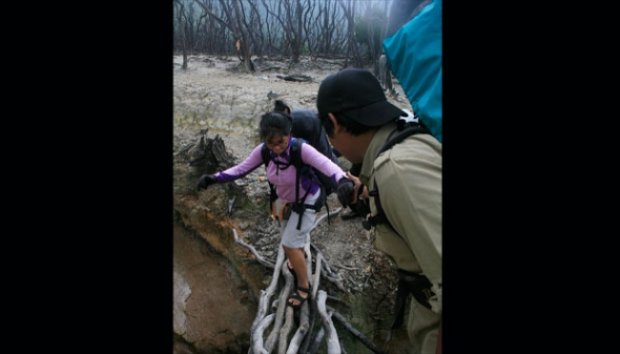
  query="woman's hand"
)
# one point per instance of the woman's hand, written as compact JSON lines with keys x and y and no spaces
{"x":205,"y":181}
{"x":279,"y":210}
{"x":345,"y":191}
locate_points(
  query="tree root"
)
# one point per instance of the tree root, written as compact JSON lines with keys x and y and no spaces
{"x":259,"y":258}
{"x":284,"y":320}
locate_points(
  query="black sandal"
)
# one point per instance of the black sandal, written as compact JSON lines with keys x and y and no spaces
{"x":296,"y":296}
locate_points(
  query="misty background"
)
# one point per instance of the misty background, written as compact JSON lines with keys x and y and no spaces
{"x":352,"y":30}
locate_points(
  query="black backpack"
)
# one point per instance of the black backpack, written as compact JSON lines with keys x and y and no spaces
{"x":307,"y":126}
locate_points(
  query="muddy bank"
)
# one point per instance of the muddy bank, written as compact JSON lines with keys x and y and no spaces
{"x":212,"y":305}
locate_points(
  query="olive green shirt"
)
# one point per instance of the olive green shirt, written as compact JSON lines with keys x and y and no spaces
{"x":408,"y":177}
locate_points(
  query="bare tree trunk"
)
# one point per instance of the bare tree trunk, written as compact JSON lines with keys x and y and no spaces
{"x":326,"y":32}
{"x":298,"y":32}
{"x":182,"y":18}
{"x":286,"y":26}
{"x":269,"y":42}
{"x":189,"y":29}
{"x":243,"y":34}
{"x":256,"y":26}
{"x":381,"y":69}
{"x":184,"y":66}
{"x":234,"y":24}
{"x":353,"y":49}
{"x":244,"y":25}
{"x":293,"y":21}
{"x":307,"y":19}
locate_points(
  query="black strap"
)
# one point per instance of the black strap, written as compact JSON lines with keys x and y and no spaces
{"x":295,"y":159}
{"x":264,"y":153}
{"x":300,"y":206}
{"x":266,"y":156}
{"x":415,"y":284}
{"x":379,"y":217}
{"x":398,"y":136}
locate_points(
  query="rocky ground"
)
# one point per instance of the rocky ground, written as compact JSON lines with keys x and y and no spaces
{"x":212,"y":93}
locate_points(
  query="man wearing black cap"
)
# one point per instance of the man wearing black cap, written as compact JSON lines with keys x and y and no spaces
{"x":405,"y":189}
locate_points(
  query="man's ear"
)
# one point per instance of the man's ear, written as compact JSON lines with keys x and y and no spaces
{"x":334,"y":121}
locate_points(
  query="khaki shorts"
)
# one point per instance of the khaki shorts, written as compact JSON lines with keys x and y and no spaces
{"x":293,"y":238}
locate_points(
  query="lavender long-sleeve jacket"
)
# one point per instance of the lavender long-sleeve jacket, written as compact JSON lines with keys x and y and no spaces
{"x":284,"y":179}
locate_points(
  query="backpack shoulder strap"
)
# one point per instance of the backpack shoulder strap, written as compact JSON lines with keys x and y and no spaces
{"x":264,"y":152}
{"x":395,"y":138}
{"x":295,"y":153}
{"x":300,"y":167}
{"x":399,"y":136}
{"x":295,"y":159}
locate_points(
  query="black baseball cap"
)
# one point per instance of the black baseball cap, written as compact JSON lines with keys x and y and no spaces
{"x":356,"y":94}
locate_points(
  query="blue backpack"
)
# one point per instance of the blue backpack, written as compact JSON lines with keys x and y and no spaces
{"x":414,"y":56}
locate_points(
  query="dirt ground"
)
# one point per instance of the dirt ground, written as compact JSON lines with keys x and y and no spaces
{"x":213,"y":93}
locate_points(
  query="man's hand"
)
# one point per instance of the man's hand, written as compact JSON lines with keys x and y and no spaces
{"x":345,"y":191}
{"x":359,"y":191}
{"x":205,"y":181}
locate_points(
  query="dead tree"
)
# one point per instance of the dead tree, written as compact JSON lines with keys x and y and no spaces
{"x":182,"y":23}
{"x":306,"y":16}
{"x":212,"y":36}
{"x":352,"y":49}
{"x":294,"y":20}
{"x":241,"y":32}
{"x":255,"y":26}
{"x":206,"y":155}
{"x":234,"y":23}
{"x":327,"y":27}
{"x":295,"y":78}
{"x":291,"y":22}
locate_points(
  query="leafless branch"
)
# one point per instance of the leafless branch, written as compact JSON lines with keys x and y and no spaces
{"x":259,"y":258}
{"x":368,"y":343}
{"x":333,"y":344}
{"x":263,"y":303}
{"x":257,"y":337}
{"x":295,"y":342}
{"x":286,"y":329}
{"x":282,"y":305}
{"x":317,"y":341}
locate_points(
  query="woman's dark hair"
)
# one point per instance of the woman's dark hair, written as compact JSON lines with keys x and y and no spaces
{"x":350,"y":125}
{"x":280,"y":106}
{"x":274,"y":123}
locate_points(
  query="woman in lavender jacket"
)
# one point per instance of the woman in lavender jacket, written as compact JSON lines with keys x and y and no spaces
{"x":275,"y":131}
